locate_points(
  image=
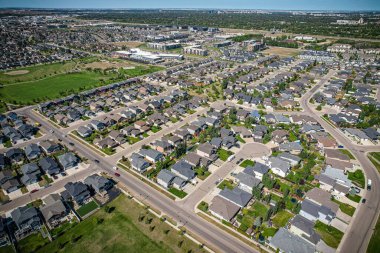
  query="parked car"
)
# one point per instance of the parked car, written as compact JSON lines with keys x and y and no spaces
{"x":363,"y":201}
{"x":71,"y":144}
{"x":33,"y":191}
{"x":117,"y":174}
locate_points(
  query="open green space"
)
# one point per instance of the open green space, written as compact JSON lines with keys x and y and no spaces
{"x":54,"y":87}
{"x":247,"y":163}
{"x":124,"y":226}
{"x":330,"y":235}
{"x":224,"y":154}
{"x":155,"y":129}
{"x":357,"y":177}
{"x":50,"y":81}
{"x":281,"y":218}
{"x":374,"y":243}
{"x":87,"y":208}
{"x":257,"y":209}
{"x":203,"y":206}
{"x":345,"y":208}
{"x":179,"y":193}
{"x":269,"y":232}
{"x":32,"y":243}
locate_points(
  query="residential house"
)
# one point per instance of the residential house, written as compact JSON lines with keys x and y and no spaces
{"x":278,"y":166}
{"x":49,"y":166}
{"x":237,"y":196}
{"x":78,"y":192}
{"x":288,"y":242}
{"x":68,"y":160}
{"x":26,"y":219}
{"x":53,"y":210}
{"x":32,"y":151}
{"x":223,"y":209}
{"x":100,"y":184}
{"x":49,"y":146}
{"x":183,"y":170}
{"x":165,"y":178}
{"x":31,"y":173}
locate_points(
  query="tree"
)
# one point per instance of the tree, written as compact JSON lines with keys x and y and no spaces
{"x":256,"y":192}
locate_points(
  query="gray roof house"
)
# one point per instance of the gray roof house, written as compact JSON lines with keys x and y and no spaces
{"x":54,"y":210}
{"x":49,"y":165}
{"x":258,"y":170}
{"x":26,"y":217}
{"x":32,"y":151}
{"x":223,"y":209}
{"x":78,"y":191}
{"x":247,"y":182}
{"x":236,"y":196}
{"x":139,"y":163}
{"x":292,"y":147}
{"x":165,"y":178}
{"x":98,"y":183}
{"x":68,"y":160}
{"x":305,"y":228}
{"x":151,"y":155}
{"x":288,"y":242}
{"x":31,"y":173}
{"x":292,"y":159}
{"x":84,"y":131}
{"x":183,"y":170}
{"x":278,"y":166}
{"x":50,"y":146}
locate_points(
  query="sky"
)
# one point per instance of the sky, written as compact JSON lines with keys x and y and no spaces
{"x":350,"y":5}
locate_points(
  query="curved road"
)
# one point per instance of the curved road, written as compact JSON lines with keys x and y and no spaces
{"x":360,"y":229}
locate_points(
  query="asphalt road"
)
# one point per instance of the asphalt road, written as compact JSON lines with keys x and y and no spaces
{"x":360,"y":229}
{"x":211,"y":235}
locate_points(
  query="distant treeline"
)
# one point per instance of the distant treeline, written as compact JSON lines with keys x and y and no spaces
{"x":285,"y":21}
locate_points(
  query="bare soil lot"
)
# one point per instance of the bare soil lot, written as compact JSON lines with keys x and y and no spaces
{"x":17,"y":72}
{"x":109,"y":65}
{"x":282,"y":51}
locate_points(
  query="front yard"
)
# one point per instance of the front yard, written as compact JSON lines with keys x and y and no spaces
{"x":224,"y":154}
{"x":179,"y":193}
{"x":247,"y":163}
{"x":330,"y":235}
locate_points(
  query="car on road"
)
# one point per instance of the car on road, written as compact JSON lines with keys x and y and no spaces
{"x":117,"y":174}
{"x":96,"y":161}
{"x":71,"y":144}
{"x":239,"y":161}
{"x":63,"y":174}
{"x":340,"y":146}
{"x":363,"y":201}
{"x":51,"y":131}
{"x":114,"y":167}
{"x":33,"y":191}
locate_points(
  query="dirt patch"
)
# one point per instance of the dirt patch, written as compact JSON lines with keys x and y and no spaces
{"x":17,"y":72}
{"x":282,"y":51}
{"x":108,"y":65}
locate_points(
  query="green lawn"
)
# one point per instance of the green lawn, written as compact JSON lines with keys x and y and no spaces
{"x":238,"y":137}
{"x":355,"y":198}
{"x":226,"y":183}
{"x":281,"y":218}
{"x":347,"y":152}
{"x":155,"y":129}
{"x":224,"y":154}
{"x":180,"y":194}
{"x":53,"y":87}
{"x":357,"y":177}
{"x":375,"y":159}
{"x":267,"y":232}
{"x":345,"y":208}
{"x":257,"y":209}
{"x":32,"y":243}
{"x":127,"y":228}
{"x":87,"y":208}
{"x":36,"y":72}
{"x":132,"y":140}
{"x":330,"y":235}
{"x":203,"y":206}
{"x":7,"y":249}
{"x":374,"y":243}
{"x":247,"y":163}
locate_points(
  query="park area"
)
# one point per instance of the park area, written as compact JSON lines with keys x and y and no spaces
{"x":39,"y":83}
{"x":122,"y":224}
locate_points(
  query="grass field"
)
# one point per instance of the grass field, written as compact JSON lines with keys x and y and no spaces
{"x":52,"y":87}
{"x":50,"y":81}
{"x":374,"y":243}
{"x":32,"y":243}
{"x":330,"y":235}
{"x":281,"y":218}
{"x":127,"y":228}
